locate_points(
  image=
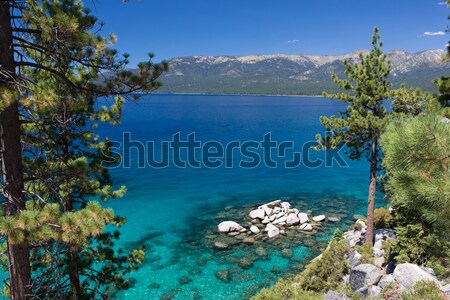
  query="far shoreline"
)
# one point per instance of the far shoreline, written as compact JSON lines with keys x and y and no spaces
{"x":259,"y":95}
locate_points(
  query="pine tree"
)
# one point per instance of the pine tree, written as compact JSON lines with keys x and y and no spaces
{"x":360,"y":125}
{"x":52,"y":63}
{"x":417,"y":162}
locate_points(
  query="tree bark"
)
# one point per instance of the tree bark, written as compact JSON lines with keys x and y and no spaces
{"x":372,"y":192}
{"x":74,"y":276}
{"x":11,"y":160}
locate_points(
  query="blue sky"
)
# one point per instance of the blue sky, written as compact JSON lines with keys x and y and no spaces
{"x":171,"y":28}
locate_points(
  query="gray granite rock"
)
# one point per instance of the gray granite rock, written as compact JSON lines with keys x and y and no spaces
{"x":364,"y":275}
{"x":386,"y":280}
{"x":333,"y":295}
{"x":354,"y":258}
{"x":409,"y":274}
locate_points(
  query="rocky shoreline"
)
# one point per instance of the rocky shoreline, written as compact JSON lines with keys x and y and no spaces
{"x":369,"y":279}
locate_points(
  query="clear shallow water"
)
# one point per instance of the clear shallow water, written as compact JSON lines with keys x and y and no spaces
{"x":171,"y":210}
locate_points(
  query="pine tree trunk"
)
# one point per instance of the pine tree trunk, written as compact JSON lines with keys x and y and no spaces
{"x":73,"y":275}
{"x":372,"y":192}
{"x":11,"y":161}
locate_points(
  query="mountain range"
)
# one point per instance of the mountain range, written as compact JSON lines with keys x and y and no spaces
{"x":290,"y":74}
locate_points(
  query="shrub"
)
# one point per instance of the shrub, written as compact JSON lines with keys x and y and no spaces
{"x":286,"y":290}
{"x":326,"y":272}
{"x":387,"y":246}
{"x":424,"y":290}
{"x":382,"y":218}
{"x":320,"y":275}
{"x":366,"y":251}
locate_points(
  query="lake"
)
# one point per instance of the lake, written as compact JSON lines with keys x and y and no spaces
{"x":174,"y":211}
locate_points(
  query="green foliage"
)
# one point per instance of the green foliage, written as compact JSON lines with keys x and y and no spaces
{"x":364,"y":117}
{"x":359,"y":127}
{"x":61,"y":61}
{"x":337,"y":235}
{"x":387,"y":246}
{"x":326,"y":272}
{"x":366,"y":251}
{"x":417,"y":163}
{"x":320,"y":275}
{"x":287,"y":290}
{"x":424,"y":290}
{"x":382,"y":218}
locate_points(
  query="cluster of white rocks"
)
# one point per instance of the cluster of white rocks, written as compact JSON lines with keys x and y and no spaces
{"x":276,"y":215}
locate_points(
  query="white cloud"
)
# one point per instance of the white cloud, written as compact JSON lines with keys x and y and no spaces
{"x":293,"y":41}
{"x":442,"y":3}
{"x":432,"y":33}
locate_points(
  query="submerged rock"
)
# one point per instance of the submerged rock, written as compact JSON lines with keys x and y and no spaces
{"x":220,"y":245}
{"x":333,"y":219}
{"x":184,"y":280}
{"x":249,"y":240}
{"x":260,"y":251}
{"x":224,"y":275}
{"x":154,"y":286}
{"x":245,"y":262}
{"x":287,"y":253}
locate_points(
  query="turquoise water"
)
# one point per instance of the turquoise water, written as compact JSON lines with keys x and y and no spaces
{"x":171,"y":210}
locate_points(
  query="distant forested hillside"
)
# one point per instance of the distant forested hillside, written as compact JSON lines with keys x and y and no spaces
{"x":289,"y":74}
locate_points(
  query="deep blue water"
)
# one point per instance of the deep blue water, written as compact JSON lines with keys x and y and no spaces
{"x":170,"y":209}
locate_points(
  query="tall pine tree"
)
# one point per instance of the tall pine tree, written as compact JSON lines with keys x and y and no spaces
{"x":361,"y":124}
{"x":51,"y":66}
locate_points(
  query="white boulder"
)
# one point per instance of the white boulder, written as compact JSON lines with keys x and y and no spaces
{"x":257,"y":214}
{"x":266,"y":220}
{"x":229,"y":226}
{"x":306,"y":227}
{"x":280,"y":220}
{"x":272,"y":230}
{"x":254,"y":229}
{"x":267,"y":210}
{"x":319,"y":218}
{"x":303,"y":217}
{"x":273,"y":204}
{"x":292,"y":219}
